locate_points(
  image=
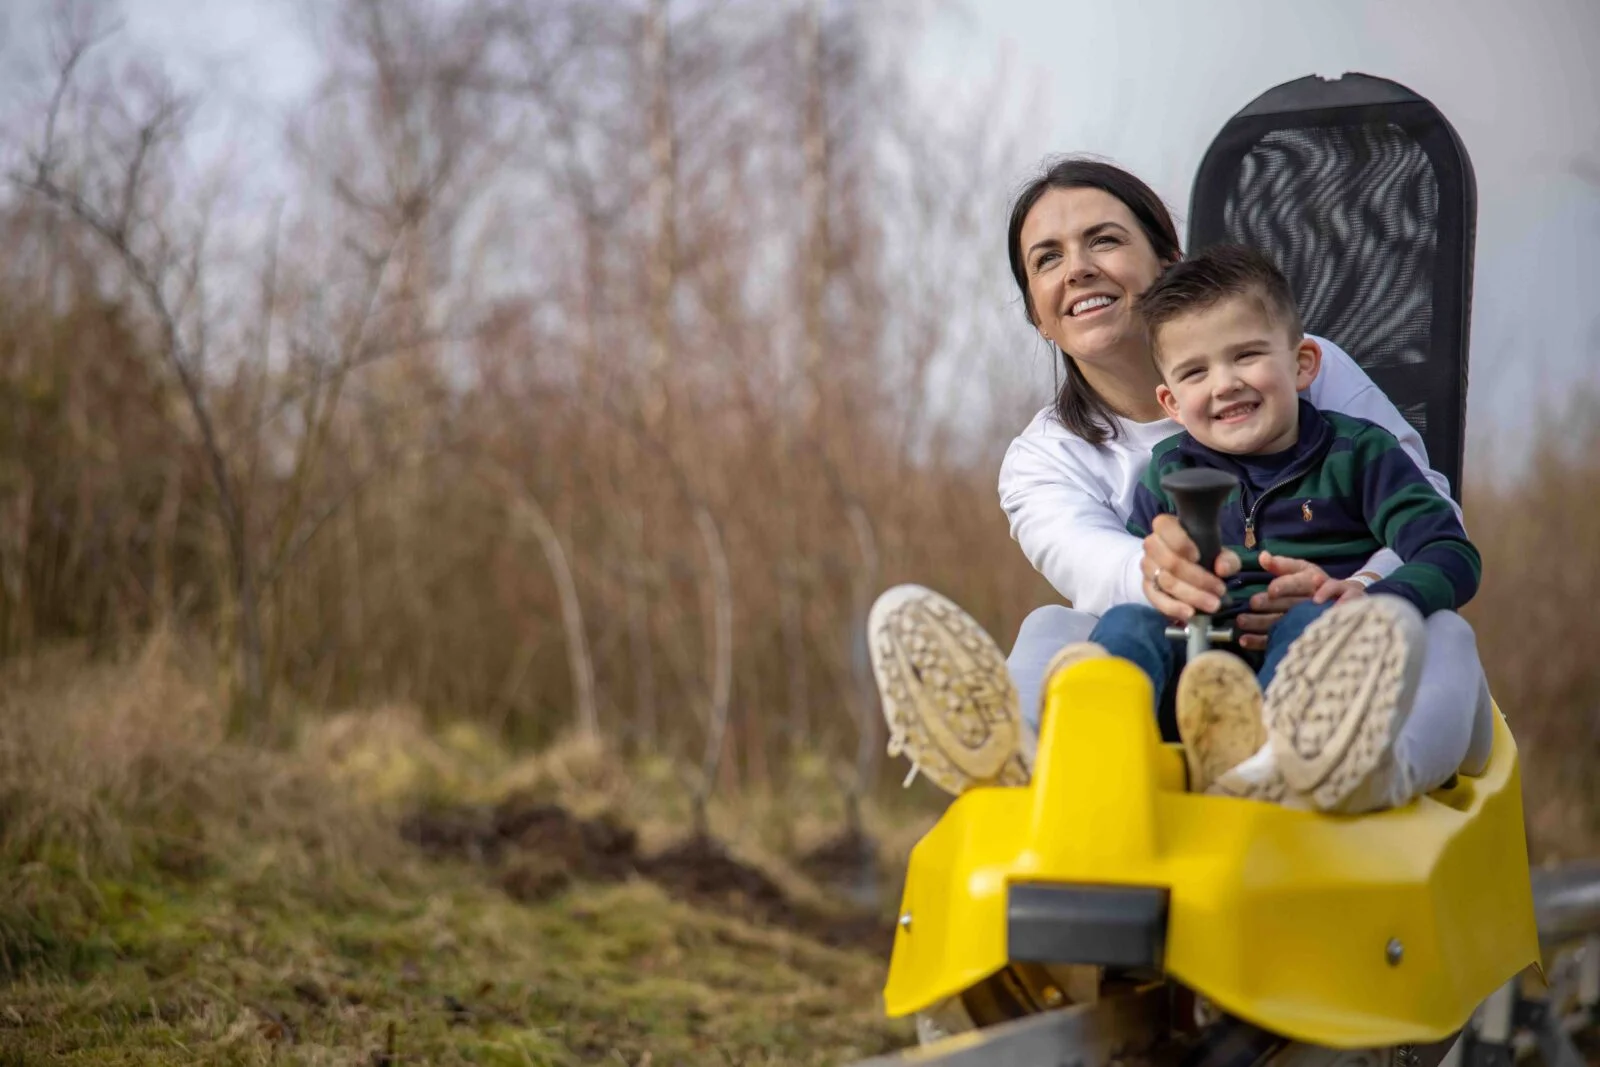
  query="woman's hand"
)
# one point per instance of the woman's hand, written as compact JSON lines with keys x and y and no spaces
{"x":1174,"y":582}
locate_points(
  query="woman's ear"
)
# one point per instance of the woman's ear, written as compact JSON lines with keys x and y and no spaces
{"x":1038,"y":324}
{"x":1308,"y":362}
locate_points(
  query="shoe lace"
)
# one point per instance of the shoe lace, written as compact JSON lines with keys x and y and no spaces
{"x":896,"y":747}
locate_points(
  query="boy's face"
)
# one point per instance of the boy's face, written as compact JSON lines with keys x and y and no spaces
{"x":1230,"y":374}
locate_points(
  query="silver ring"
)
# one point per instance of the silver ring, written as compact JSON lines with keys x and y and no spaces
{"x":1155,"y":579}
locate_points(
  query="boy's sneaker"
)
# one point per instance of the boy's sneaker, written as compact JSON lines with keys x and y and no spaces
{"x":1339,"y":699}
{"x":1258,"y":778}
{"x":1219,"y":719}
{"x":947,"y":696}
{"x":1076,"y":652}
{"x":1065,"y":657}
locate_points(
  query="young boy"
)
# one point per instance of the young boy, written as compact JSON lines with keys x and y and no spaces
{"x":1319,"y":486}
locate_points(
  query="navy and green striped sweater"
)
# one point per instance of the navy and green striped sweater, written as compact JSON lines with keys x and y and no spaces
{"x":1344,"y":490}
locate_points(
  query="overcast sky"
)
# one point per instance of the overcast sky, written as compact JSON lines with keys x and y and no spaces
{"x":1149,"y":82}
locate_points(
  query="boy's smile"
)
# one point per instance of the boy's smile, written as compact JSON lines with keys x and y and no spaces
{"x":1231,"y":375}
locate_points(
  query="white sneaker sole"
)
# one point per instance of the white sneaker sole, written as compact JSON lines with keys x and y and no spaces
{"x":1341,"y":694}
{"x":948,"y":699}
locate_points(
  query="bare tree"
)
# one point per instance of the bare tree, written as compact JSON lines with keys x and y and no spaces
{"x":108,"y":166}
{"x":110,"y":158}
{"x":526,"y":514}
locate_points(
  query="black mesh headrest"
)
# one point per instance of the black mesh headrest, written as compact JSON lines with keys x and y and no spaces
{"x":1362,"y":193}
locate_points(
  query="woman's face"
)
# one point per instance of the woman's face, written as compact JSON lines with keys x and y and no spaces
{"x":1087,"y":260}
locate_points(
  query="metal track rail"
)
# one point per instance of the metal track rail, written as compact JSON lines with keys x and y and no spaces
{"x":1091,"y":1035}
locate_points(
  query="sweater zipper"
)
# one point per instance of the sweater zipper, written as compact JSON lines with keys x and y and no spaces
{"x":1250,"y":516}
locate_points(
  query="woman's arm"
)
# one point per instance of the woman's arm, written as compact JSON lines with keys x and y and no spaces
{"x":1068,"y":532}
{"x":1079,"y":542}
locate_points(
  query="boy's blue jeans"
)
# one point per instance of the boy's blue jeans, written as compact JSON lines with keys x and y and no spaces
{"x":1138,"y":632}
{"x":1451,"y":727}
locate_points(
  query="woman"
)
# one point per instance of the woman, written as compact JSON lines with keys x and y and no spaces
{"x":1085,"y":240}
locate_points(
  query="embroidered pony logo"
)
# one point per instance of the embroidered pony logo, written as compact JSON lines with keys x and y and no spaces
{"x":1305,"y":510}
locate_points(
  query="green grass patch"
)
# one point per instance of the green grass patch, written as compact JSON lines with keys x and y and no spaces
{"x":436,"y":967}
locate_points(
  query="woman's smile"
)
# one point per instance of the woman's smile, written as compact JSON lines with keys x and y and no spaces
{"x":1089,"y":306}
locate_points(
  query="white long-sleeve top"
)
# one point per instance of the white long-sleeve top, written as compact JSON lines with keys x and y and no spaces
{"x":1068,"y":500}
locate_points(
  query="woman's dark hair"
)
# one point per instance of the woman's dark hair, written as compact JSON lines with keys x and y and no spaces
{"x":1080,"y":409}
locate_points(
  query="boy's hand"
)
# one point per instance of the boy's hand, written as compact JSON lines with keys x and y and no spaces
{"x":1337,"y":590}
{"x":1294,"y":580}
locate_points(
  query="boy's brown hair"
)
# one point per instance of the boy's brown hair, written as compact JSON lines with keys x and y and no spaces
{"x":1217,"y":273}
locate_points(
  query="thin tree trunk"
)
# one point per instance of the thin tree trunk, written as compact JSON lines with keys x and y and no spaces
{"x":16,"y":625}
{"x":528,"y":513}
{"x":814,"y":195}
{"x":638,"y":574}
{"x":164,"y":586}
{"x":864,"y":579}
{"x":721,"y":658}
{"x":791,"y":607}
{"x":663,"y":211}
{"x":646,"y":728}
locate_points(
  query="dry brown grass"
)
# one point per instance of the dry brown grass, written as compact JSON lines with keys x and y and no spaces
{"x":109,"y":764}
{"x":123,"y":760}
{"x":1538,"y":630}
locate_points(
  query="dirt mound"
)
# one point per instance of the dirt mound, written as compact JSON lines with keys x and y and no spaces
{"x":457,"y":833}
{"x":598,"y":849}
{"x":701,"y":871}
{"x":848,"y":866}
{"x":538,"y":849}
